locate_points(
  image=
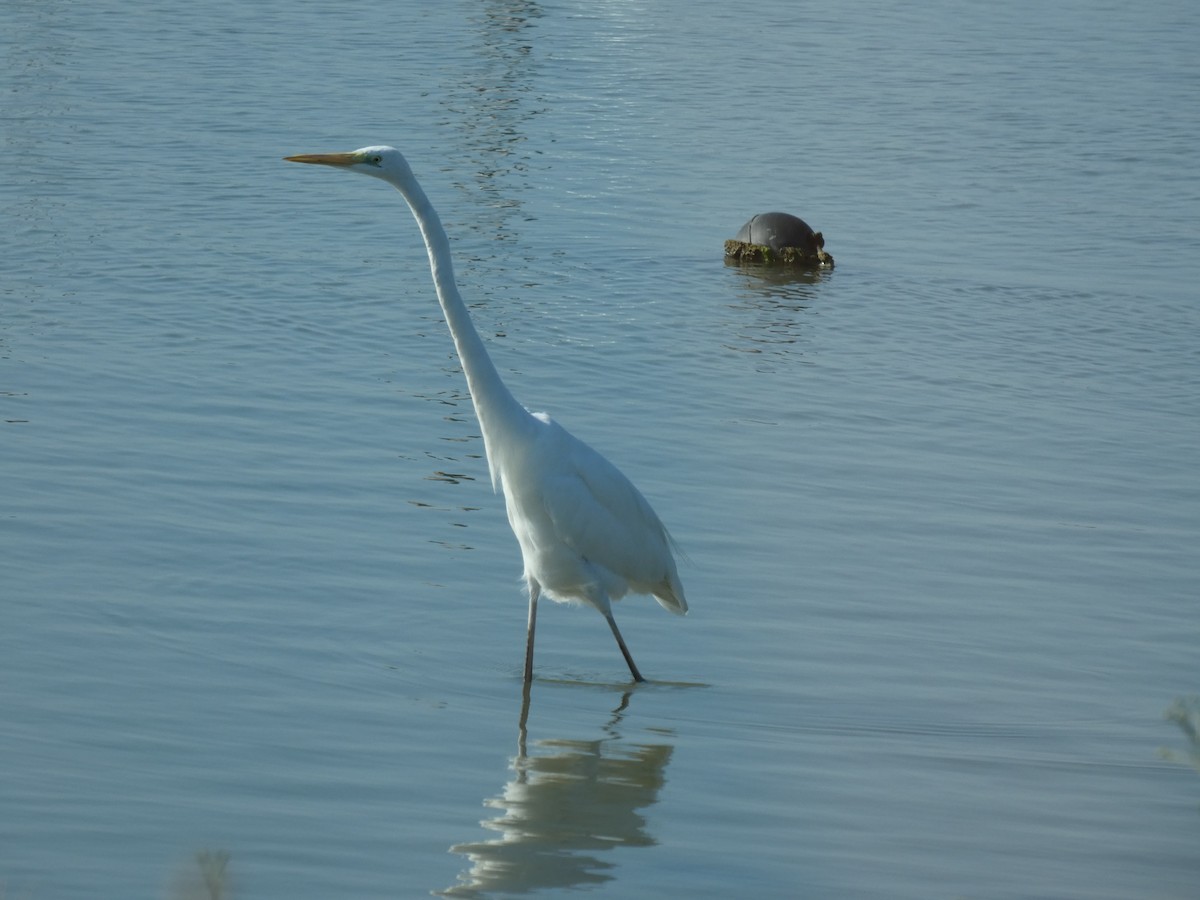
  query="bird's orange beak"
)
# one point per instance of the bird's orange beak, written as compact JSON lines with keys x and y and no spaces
{"x":325,"y":159}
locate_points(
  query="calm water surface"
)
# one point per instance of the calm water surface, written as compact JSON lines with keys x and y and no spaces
{"x":259,"y":610}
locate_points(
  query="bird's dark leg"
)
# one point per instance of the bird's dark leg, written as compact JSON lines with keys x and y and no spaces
{"x":534,"y":590}
{"x":523,"y":732}
{"x":612,"y":623}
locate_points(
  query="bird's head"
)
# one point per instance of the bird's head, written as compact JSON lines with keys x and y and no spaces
{"x":387,"y":163}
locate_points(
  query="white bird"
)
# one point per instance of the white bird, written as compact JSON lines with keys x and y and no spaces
{"x":586,"y":533}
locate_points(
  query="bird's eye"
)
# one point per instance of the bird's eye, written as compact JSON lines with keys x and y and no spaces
{"x":376,"y":160}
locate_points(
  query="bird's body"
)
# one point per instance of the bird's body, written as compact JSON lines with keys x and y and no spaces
{"x":586,"y":533}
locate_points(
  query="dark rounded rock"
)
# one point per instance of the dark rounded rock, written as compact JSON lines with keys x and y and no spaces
{"x":779,"y":237}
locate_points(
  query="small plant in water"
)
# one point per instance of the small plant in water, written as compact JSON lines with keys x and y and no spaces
{"x":209,"y":880}
{"x":1185,"y":712}
{"x":212,"y":868}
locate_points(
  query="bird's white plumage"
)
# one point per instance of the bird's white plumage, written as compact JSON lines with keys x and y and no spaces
{"x":585,"y":532}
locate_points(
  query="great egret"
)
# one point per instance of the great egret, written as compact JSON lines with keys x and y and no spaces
{"x":586,"y":533}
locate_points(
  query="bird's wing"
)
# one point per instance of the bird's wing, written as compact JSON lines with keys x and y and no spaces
{"x":599,"y":514}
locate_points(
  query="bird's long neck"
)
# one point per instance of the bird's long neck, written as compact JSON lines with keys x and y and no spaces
{"x":498,"y":411}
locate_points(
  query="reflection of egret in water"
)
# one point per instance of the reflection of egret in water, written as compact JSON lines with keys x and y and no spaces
{"x":567,"y":803}
{"x":779,"y":301}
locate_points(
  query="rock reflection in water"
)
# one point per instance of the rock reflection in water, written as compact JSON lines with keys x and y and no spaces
{"x":568,"y":803}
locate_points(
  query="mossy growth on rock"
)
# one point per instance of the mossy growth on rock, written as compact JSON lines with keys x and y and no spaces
{"x":760,"y":253}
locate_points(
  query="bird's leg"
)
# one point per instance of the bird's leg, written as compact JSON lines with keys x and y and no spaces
{"x":612,"y":623}
{"x":523,"y":732}
{"x":534,"y":590}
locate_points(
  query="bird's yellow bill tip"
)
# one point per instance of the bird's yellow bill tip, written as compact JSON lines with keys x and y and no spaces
{"x":325,"y":159}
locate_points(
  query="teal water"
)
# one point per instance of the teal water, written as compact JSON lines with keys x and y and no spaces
{"x":939,"y":505}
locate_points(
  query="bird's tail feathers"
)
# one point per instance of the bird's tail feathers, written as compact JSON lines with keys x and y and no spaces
{"x":670,"y":597}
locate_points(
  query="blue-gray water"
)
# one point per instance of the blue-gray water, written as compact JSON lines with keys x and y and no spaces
{"x":940,"y":505}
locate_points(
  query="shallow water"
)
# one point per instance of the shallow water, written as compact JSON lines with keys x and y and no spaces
{"x":939,"y":505}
